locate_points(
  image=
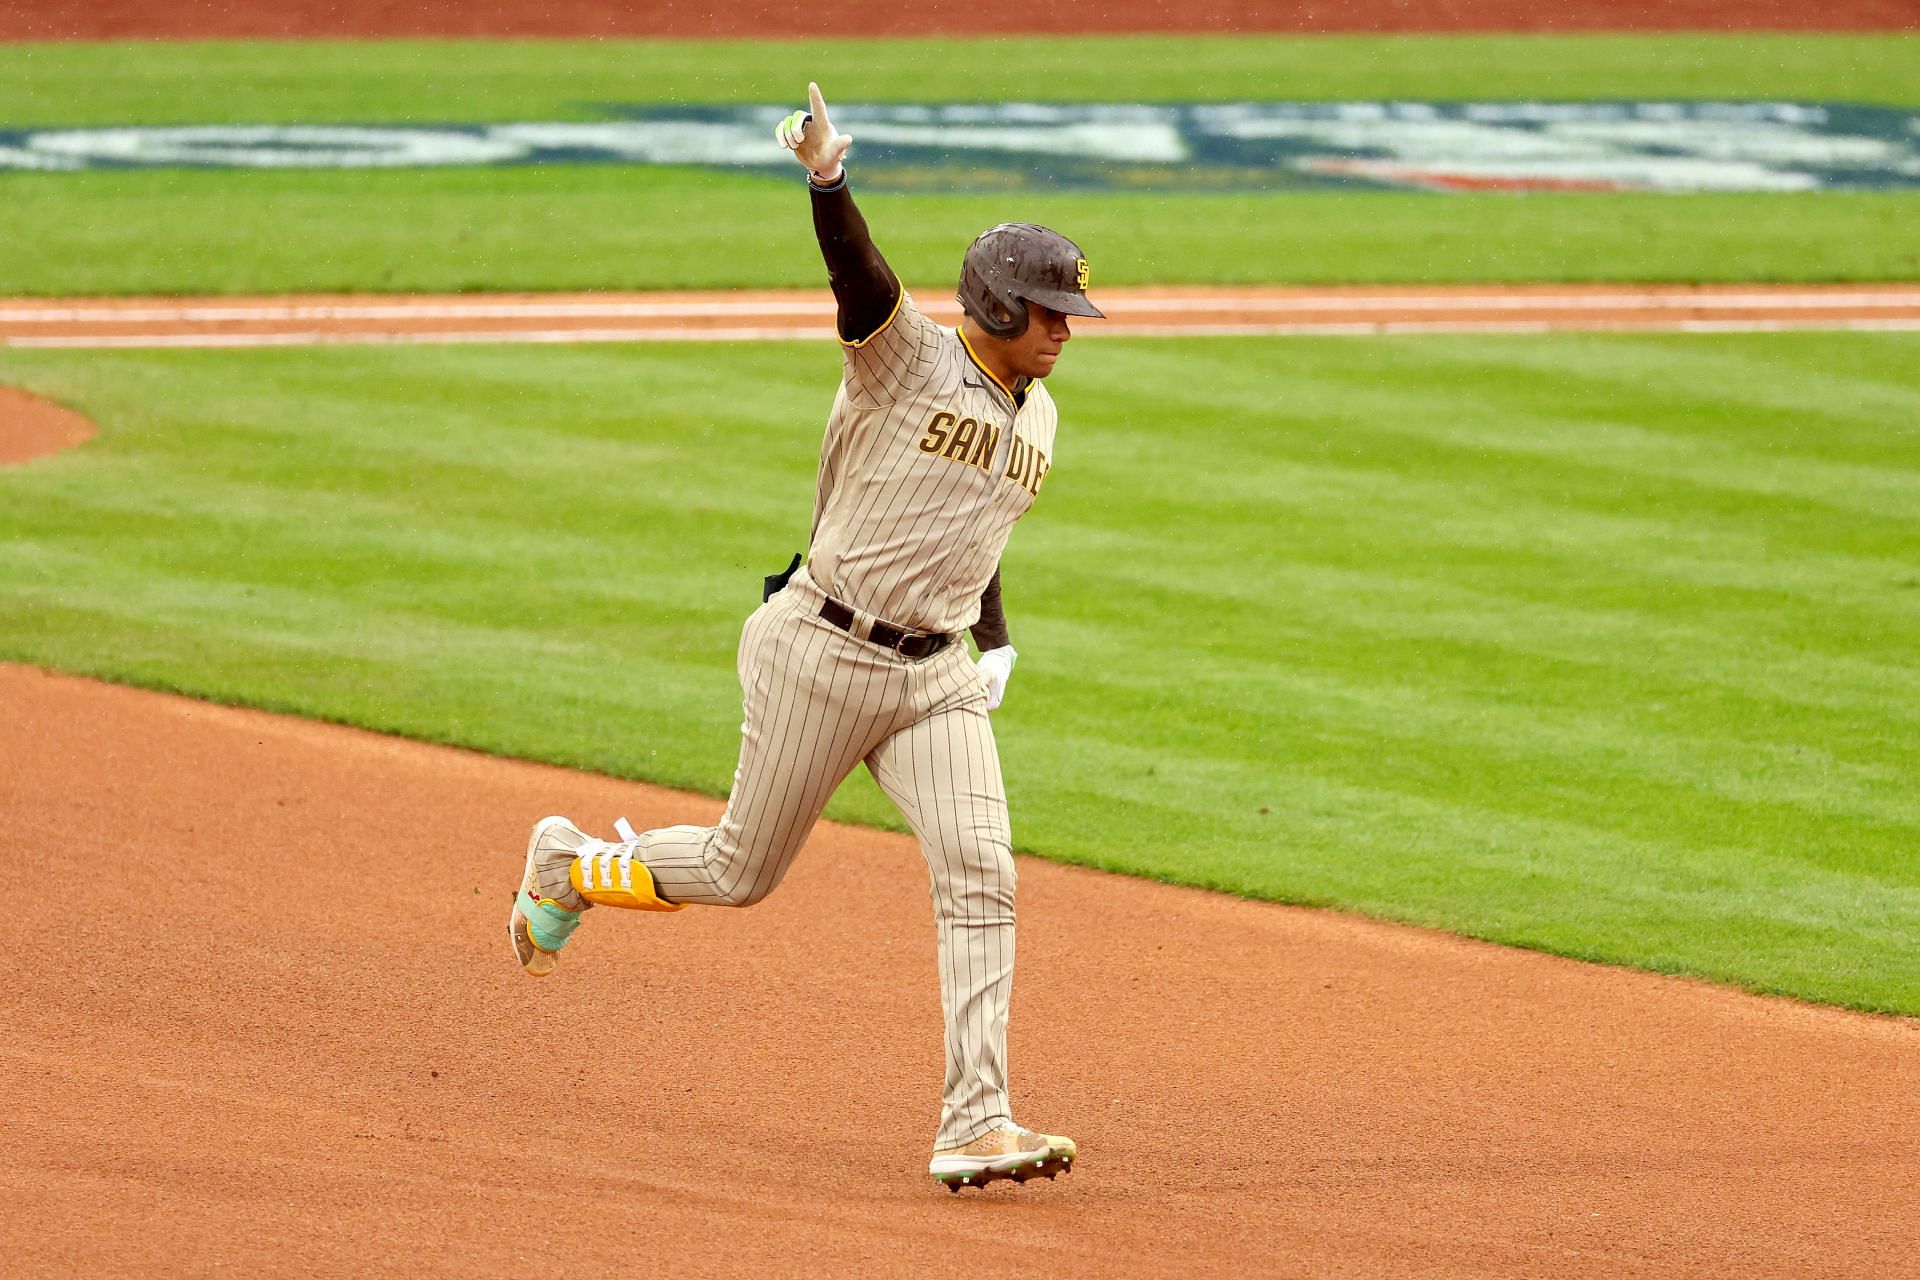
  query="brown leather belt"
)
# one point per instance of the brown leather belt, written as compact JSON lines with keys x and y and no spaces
{"x":908,"y":644}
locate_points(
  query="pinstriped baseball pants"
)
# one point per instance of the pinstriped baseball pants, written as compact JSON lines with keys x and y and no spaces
{"x":818,"y":702}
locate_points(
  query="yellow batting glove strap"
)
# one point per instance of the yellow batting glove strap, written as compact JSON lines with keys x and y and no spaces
{"x":616,"y":879}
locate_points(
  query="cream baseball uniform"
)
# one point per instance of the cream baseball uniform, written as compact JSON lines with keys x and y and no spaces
{"x":927,"y":463}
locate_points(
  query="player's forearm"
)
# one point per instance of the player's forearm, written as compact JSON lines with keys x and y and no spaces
{"x":864,"y":286}
{"x":990,"y":632}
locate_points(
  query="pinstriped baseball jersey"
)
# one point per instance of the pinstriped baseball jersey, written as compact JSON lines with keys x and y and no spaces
{"x":928,"y":462}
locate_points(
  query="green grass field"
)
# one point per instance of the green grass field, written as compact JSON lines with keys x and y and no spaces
{"x":184,"y":232}
{"x":225,"y":82}
{"x":1602,"y":645}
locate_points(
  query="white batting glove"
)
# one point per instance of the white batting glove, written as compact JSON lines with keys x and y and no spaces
{"x":813,"y":139}
{"x":996,"y":668}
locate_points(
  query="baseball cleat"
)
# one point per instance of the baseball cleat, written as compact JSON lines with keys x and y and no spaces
{"x":615,"y":875}
{"x":1060,"y":1154}
{"x":547,"y":909}
{"x":1009,"y":1152}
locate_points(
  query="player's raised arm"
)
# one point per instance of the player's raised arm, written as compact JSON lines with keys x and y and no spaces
{"x":864,"y":286}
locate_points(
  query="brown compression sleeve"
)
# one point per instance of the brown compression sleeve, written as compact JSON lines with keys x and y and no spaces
{"x":991,"y":631}
{"x":864,"y":285}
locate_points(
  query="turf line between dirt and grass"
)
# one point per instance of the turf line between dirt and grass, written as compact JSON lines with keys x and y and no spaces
{"x":1600,"y":645}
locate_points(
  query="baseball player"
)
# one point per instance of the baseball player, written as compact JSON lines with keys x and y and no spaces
{"x":938,"y":441}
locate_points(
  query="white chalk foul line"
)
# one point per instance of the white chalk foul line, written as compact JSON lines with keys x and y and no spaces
{"x":218,"y":314}
{"x":1545,"y":302}
{"x":322,"y":338}
{"x":1377,"y":328}
{"x":1358,"y":328}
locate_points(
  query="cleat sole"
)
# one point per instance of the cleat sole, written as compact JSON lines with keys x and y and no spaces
{"x":1019,"y":1174}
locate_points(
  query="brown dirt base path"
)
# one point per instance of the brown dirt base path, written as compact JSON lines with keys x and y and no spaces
{"x":1140,"y":311}
{"x":261,"y":1019}
{"x":775,"y":19}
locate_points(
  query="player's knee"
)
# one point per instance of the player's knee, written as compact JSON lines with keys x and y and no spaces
{"x":735,"y":875}
{"x":976,"y":880}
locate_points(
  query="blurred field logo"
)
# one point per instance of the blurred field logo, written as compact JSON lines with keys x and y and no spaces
{"x":1507,"y":146}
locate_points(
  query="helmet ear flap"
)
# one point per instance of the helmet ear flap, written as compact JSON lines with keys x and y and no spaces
{"x":986,"y":293}
{"x":1010,"y":313}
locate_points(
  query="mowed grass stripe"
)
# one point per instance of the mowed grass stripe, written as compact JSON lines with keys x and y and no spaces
{"x":453,"y":81}
{"x":610,"y":227}
{"x":1600,"y":644}
{"x":543,"y":228}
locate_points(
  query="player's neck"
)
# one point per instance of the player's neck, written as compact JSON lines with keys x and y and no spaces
{"x":990,"y":355}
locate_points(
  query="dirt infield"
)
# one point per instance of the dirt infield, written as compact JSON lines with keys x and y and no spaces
{"x":808,"y":314}
{"x":261,"y":1019}
{"x":34,"y":428}
{"x":774,"y":19}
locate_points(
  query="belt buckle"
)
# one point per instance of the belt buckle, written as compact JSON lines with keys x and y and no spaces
{"x":899,"y":650}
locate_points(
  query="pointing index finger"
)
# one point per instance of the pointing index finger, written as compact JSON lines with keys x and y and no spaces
{"x":819,"y":103}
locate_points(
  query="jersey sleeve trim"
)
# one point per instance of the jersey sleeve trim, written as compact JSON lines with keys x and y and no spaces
{"x":861,"y":342}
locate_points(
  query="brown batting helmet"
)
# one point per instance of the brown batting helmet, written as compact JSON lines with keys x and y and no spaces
{"x":1016,"y":263}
